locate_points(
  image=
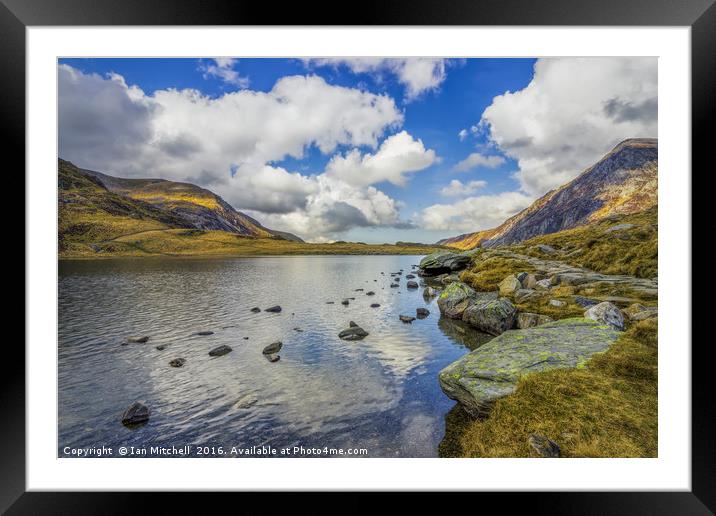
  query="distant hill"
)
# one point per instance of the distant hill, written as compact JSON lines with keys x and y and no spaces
{"x":95,"y":207}
{"x":622,"y":182}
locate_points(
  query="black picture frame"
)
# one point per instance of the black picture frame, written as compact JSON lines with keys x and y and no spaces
{"x":700,"y":15}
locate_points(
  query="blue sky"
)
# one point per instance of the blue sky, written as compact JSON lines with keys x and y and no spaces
{"x":120,"y":115}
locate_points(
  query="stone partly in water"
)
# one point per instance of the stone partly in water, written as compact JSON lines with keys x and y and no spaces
{"x":135,"y":414}
{"x":509,"y":285}
{"x":353,"y":333}
{"x":406,"y":318}
{"x":274,"y":309}
{"x":492,"y":316}
{"x":412,"y":284}
{"x":138,"y":340}
{"x":219,"y":351}
{"x":422,"y":313}
{"x":204,"y":333}
{"x":177,"y":362}
{"x":394,"y":285}
{"x":444,"y":261}
{"x":492,"y":371}
{"x":374,"y":305}
{"x":530,"y":320}
{"x":256,"y":309}
{"x":370,"y":293}
{"x":455,"y":299}
{"x":247,"y":401}
{"x":345,"y":302}
{"x":606,"y":313}
{"x":410,"y":276}
{"x":272,"y":357}
{"x":543,"y":447}
{"x":272,"y":348}
{"x":430,"y":292}
{"x":161,"y":347}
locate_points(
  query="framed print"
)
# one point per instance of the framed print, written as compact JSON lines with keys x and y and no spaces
{"x":424,"y":251}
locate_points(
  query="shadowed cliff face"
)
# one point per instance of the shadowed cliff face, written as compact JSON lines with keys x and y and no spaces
{"x":622,"y":182}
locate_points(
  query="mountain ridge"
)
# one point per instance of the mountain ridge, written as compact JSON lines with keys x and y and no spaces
{"x":623,"y":181}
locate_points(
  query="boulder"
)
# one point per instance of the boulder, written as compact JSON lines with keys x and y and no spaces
{"x":444,"y":261}
{"x":492,"y":371}
{"x":557,"y":303}
{"x":543,"y":447}
{"x":274,"y":309}
{"x":353,"y":333}
{"x":606,"y":313}
{"x":135,"y":414}
{"x":456,"y":297}
{"x":429,"y":292}
{"x":544,"y":284}
{"x":530,"y":320}
{"x":138,"y":340}
{"x":406,"y":318}
{"x":422,"y":313}
{"x":412,"y":284}
{"x":449,"y":278}
{"x":220,"y":351}
{"x":272,"y":348}
{"x":177,"y":362}
{"x":509,"y":285}
{"x":525,"y":294}
{"x":493,"y":316}
{"x":529,"y":281}
{"x":584,"y":302}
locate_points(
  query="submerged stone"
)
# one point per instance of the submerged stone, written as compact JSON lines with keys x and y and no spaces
{"x":273,"y":309}
{"x":135,"y":414}
{"x":220,"y":351}
{"x":177,"y":362}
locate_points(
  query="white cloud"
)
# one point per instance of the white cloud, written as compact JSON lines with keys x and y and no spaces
{"x":457,"y":189}
{"x":474,"y":213}
{"x":398,"y":155}
{"x":462,"y":135}
{"x":573,"y":112}
{"x":417,"y":74}
{"x":223,"y":68}
{"x":229,"y":144}
{"x":476,"y":159}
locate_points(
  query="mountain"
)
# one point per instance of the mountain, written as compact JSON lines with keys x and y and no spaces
{"x":622,"y":182}
{"x":95,"y":207}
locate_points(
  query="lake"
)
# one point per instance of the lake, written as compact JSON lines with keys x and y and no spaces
{"x":380,"y":394}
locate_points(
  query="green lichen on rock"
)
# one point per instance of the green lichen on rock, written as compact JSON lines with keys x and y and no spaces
{"x":492,"y":371}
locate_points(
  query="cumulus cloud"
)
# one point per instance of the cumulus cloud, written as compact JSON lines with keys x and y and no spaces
{"x":474,"y":213}
{"x":476,"y":159}
{"x":230,"y":144}
{"x":417,"y":74}
{"x":398,"y":155}
{"x":572,"y":112}
{"x":462,"y":135}
{"x":223,"y":68}
{"x":457,"y":189}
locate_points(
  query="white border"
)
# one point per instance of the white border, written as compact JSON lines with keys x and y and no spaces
{"x":670,"y":471}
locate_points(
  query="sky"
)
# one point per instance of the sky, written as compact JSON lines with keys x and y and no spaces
{"x":360,"y":149}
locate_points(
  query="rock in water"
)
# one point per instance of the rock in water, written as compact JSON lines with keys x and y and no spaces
{"x":429,"y":292}
{"x":394,"y":285}
{"x":353,"y":333}
{"x":161,"y":347}
{"x":410,"y":276}
{"x":138,"y":340}
{"x":256,"y":309}
{"x":493,"y":316}
{"x":221,"y":350}
{"x":204,"y":333}
{"x":272,"y":357}
{"x":543,"y":446}
{"x":272,"y":348}
{"x":455,"y":299}
{"x":370,"y":293}
{"x":530,"y":320}
{"x":509,"y":285}
{"x":274,"y":309}
{"x":345,"y":302}
{"x":606,"y":313}
{"x":374,"y":305}
{"x":422,"y":313}
{"x":412,"y":284}
{"x":246,"y":401}
{"x":492,"y":371}
{"x":444,"y":261}
{"x":177,"y":362}
{"x":135,"y":414}
{"x":406,"y":318}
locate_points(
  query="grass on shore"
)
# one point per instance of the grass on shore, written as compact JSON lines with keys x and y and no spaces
{"x":485,"y":275}
{"x":606,"y":409}
{"x":194,"y":242}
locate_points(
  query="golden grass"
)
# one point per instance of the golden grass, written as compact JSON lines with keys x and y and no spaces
{"x":193,"y":242}
{"x":606,"y":409}
{"x":486,"y":274}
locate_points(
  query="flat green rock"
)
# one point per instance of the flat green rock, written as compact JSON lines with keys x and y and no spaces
{"x":492,"y":371}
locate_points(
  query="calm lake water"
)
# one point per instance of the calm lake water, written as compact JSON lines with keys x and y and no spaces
{"x":380,"y":393}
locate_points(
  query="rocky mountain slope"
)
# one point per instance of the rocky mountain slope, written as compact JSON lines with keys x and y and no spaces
{"x":94,"y":207}
{"x":622,"y":182}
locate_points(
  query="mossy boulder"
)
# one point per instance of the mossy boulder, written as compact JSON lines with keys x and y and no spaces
{"x":444,"y":262}
{"x":494,"y":316}
{"x":509,"y":285}
{"x":606,"y":313}
{"x":530,"y":320}
{"x":493,"y":370}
